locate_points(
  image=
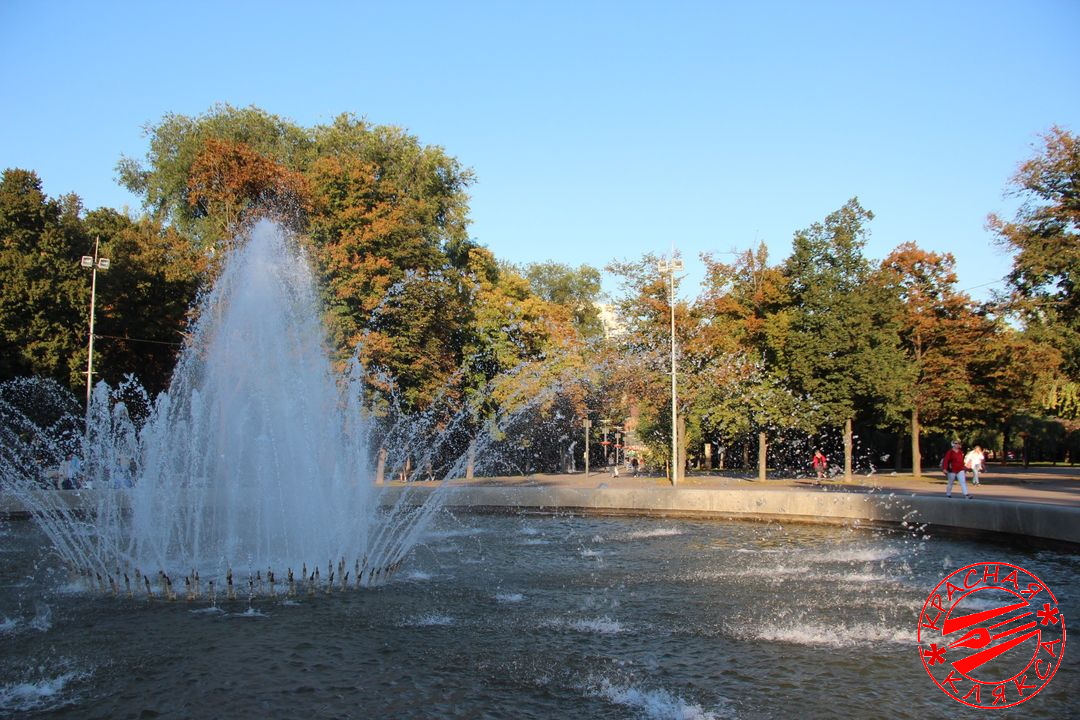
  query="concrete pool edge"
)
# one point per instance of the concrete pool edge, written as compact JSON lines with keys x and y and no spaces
{"x":1039,"y":523}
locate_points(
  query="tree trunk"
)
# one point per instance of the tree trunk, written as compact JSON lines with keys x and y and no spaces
{"x":916,"y":454}
{"x":380,"y":467}
{"x":847,"y":450}
{"x":762,"y":444}
{"x":1005,"y":444}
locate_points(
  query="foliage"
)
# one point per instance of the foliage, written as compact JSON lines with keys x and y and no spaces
{"x":234,"y":185}
{"x":836,"y":340}
{"x":821,"y":338}
{"x":44,"y":294}
{"x":643,"y":375}
{"x":385,"y":218}
{"x":176,"y":143}
{"x":739,"y":300}
{"x":576,"y":290}
{"x":744,"y":398}
{"x":942,"y":335}
{"x":741,"y":390}
{"x":1045,"y":234}
{"x":1012,"y":373}
{"x":144,"y":299}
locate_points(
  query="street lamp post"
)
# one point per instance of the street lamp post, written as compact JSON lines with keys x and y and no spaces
{"x":669,"y":268}
{"x":95,"y":263}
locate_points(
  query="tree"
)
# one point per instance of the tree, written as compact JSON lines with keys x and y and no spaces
{"x":234,"y":185}
{"x":741,"y":391}
{"x":942,"y":336}
{"x":44,"y":294}
{"x":739,"y":299}
{"x":1013,"y":375}
{"x":645,"y":310}
{"x":836,"y":341}
{"x":369,"y":234}
{"x":384,"y":216}
{"x":178,"y":141}
{"x":1045,"y":234}
{"x":577,"y":290}
{"x":145,"y":299}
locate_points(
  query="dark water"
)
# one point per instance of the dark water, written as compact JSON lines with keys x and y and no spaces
{"x":526,"y":617}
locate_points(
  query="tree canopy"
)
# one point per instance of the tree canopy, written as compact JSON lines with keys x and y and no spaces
{"x":1045,"y":236}
{"x":823,"y":338}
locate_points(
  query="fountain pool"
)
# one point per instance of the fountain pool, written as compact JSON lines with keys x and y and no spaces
{"x":524,"y":617}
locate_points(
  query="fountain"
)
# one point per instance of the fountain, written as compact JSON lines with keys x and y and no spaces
{"x":256,"y":461}
{"x":243,"y":504}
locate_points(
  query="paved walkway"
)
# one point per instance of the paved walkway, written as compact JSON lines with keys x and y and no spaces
{"x":1051,"y":485}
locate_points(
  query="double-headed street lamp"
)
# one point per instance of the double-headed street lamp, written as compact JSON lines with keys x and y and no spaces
{"x":669,"y":268}
{"x":95,"y":263}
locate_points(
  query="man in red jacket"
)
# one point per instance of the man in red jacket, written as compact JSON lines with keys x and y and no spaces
{"x":953,"y":465}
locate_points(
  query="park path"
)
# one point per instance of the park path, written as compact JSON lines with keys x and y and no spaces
{"x":1052,"y":485}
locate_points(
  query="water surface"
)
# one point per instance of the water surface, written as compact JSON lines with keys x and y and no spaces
{"x":524,"y":617}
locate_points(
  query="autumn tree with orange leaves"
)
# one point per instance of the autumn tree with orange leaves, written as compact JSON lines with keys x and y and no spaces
{"x":741,"y":389}
{"x":232,"y":185}
{"x":942,"y":336}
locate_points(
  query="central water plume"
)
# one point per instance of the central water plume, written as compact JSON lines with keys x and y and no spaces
{"x":257,"y":459}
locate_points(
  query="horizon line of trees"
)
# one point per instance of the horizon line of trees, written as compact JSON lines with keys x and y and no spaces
{"x":824,"y":339}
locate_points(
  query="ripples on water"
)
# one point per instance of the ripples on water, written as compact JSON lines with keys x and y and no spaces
{"x":530,"y":617}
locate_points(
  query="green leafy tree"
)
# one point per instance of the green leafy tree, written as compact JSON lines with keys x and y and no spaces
{"x":144,"y":299}
{"x":837,"y":340}
{"x":577,"y":290}
{"x":1013,"y":375}
{"x":1045,"y":235}
{"x":44,"y":294}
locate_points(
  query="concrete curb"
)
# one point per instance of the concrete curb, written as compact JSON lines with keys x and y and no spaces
{"x":1039,"y":522}
{"x":1015,"y":522}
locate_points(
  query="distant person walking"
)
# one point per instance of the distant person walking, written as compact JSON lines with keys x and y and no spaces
{"x":72,"y":471}
{"x":820,"y":462}
{"x":975,"y":461}
{"x":953,"y":465}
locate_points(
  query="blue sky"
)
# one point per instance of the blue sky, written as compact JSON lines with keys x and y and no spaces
{"x":597,"y":130}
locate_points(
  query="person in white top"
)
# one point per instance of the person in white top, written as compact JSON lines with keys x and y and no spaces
{"x":975,"y":461}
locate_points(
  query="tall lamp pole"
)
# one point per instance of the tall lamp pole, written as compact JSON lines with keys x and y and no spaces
{"x":669,"y":268}
{"x":95,"y":263}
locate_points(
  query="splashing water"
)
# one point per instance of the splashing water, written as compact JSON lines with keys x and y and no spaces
{"x":257,"y":458}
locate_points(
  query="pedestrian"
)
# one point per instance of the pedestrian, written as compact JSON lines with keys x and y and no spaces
{"x":634,"y":466}
{"x":72,"y":471}
{"x":975,"y":461}
{"x":820,"y":462}
{"x":953,"y":465}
